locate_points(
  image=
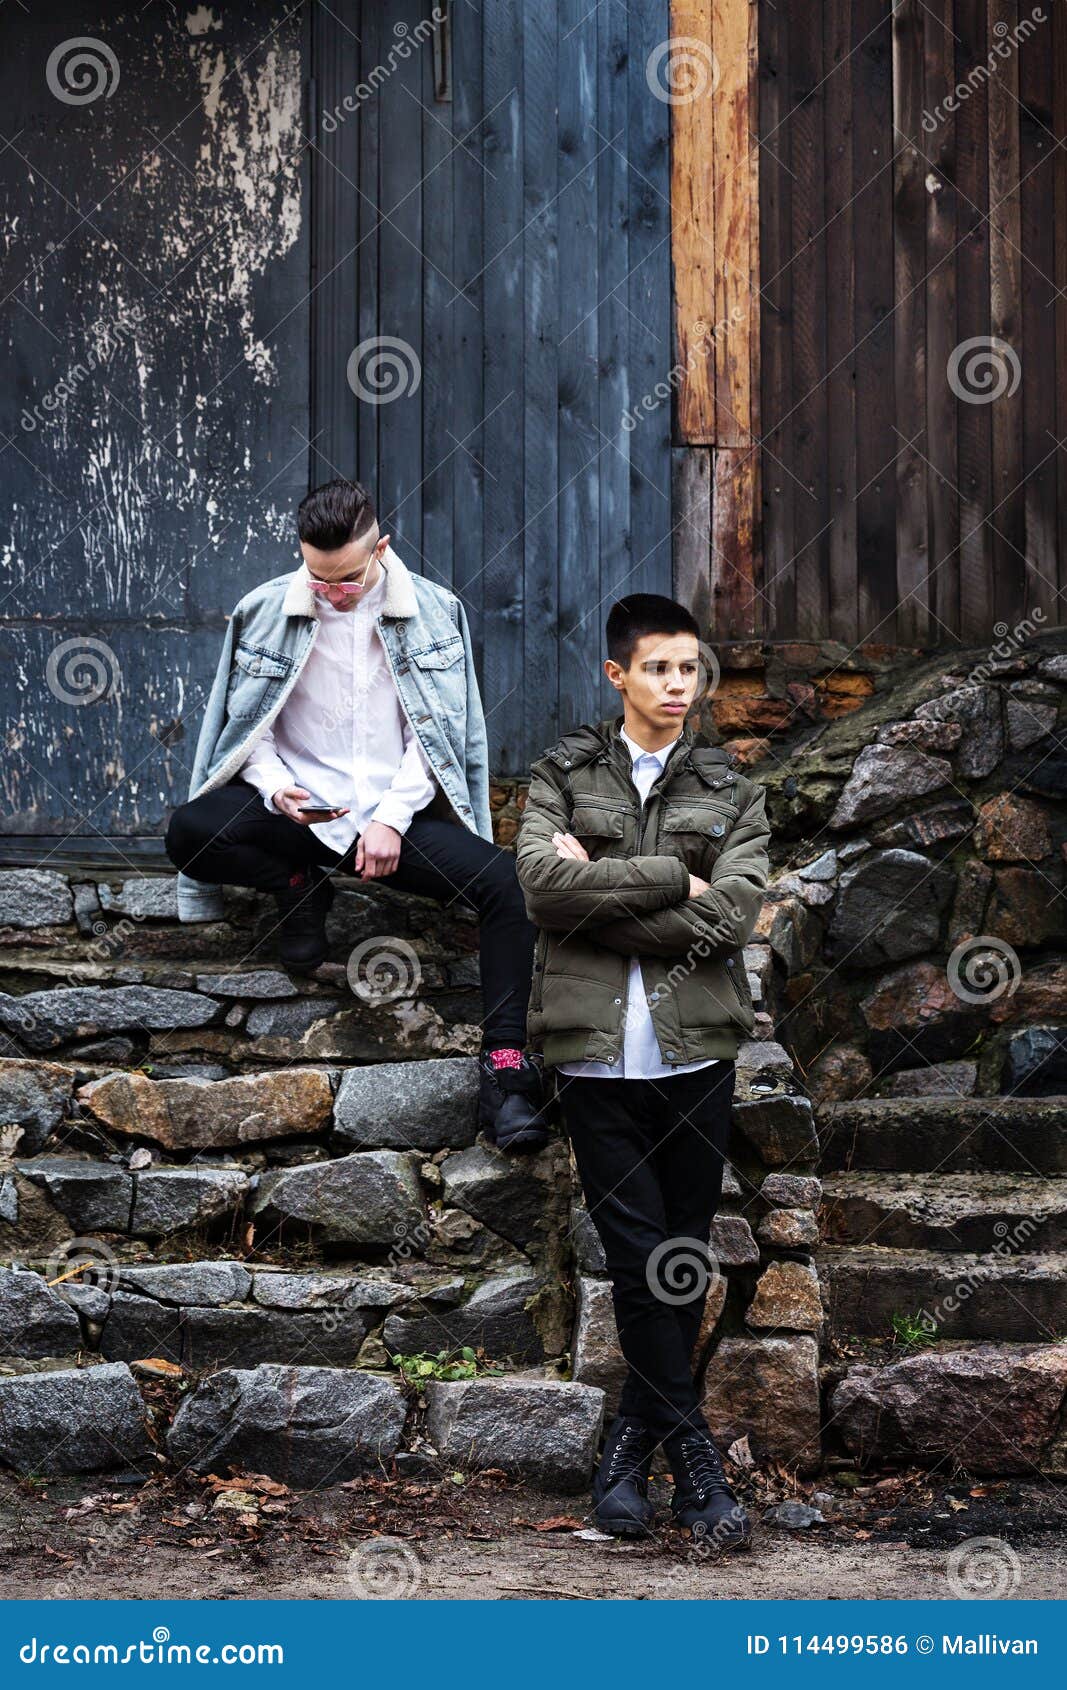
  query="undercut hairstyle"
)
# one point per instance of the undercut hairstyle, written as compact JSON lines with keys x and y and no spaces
{"x":332,"y":515}
{"x":644,"y":613}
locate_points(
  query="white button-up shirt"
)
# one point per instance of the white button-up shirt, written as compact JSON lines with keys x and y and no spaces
{"x":641,"y":1058}
{"x":342,"y":732}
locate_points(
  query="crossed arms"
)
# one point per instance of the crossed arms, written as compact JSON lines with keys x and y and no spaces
{"x":641,"y":906}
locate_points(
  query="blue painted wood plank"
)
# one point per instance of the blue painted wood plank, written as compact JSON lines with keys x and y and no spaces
{"x":401,"y":284}
{"x":541,"y":319}
{"x":504,"y":337}
{"x":649,"y":300}
{"x":465,"y":308}
{"x":613,"y":107}
{"x":439,"y":448}
{"x":580,"y":445}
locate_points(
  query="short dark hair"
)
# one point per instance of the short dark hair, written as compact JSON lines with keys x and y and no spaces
{"x":335,"y":513}
{"x":644,"y":613}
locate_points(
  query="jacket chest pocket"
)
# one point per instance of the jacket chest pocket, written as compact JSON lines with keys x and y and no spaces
{"x":256,"y":679}
{"x":695,"y":829}
{"x":599,"y":827}
{"x":441,"y":655}
{"x":440,"y":671}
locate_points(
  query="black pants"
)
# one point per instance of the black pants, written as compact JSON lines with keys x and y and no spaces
{"x":228,"y":837}
{"x":650,"y":1156}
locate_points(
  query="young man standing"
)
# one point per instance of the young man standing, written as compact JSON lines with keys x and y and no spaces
{"x":643,"y":858}
{"x":344,"y":730}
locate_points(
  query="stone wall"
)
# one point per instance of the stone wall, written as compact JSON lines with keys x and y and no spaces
{"x":261,"y":1171}
{"x":271,"y":1187}
{"x":917,"y":924}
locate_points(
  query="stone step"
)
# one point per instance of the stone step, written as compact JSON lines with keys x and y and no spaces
{"x":946,"y":1134}
{"x":945,"y":1211}
{"x":990,"y":1408}
{"x":476,"y":1205}
{"x":1020,"y":1298}
{"x":98,"y":969}
{"x":424,"y":1105}
{"x":306,"y":1426}
{"x":210,"y":1314}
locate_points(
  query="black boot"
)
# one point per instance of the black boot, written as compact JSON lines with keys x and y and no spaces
{"x":702,"y":1499}
{"x":620,"y":1489}
{"x":511,"y":1105}
{"x":302,"y":910}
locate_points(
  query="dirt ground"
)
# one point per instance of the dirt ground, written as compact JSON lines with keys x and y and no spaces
{"x":440,"y":1538}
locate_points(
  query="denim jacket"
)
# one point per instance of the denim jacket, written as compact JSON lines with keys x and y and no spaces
{"x":424,"y":630}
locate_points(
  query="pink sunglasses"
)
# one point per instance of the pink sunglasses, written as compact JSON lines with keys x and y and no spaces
{"x":348,"y":588}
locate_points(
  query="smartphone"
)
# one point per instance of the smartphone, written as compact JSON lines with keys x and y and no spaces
{"x":318,"y":807}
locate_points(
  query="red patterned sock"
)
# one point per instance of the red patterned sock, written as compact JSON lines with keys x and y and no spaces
{"x":508,"y":1057}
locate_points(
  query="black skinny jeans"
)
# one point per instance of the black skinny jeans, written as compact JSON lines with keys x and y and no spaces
{"x":228,"y":837}
{"x":650,"y":1155}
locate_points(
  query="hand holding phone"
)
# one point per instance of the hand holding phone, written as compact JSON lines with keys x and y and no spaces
{"x":300,"y":806}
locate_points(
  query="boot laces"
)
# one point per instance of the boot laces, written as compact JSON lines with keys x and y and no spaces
{"x":628,"y":1456}
{"x":704,"y":1468}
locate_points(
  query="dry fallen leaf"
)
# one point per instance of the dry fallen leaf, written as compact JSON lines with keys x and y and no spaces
{"x":156,"y":1367}
{"x":558,"y":1523}
{"x":257,"y":1484}
{"x":740,"y":1453}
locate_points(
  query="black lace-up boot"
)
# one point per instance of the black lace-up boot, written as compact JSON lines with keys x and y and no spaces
{"x":512,"y":1109}
{"x":302,"y":910}
{"x":620,"y":1489}
{"x":702,"y":1499}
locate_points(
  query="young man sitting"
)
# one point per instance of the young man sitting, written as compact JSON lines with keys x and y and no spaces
{"x":344,"y":730}
{"x":643,"y":858}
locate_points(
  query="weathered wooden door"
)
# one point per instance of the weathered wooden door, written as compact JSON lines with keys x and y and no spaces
{"x":155,"y":317}
{"x":246,"y":248}
{"x":497,"y":257}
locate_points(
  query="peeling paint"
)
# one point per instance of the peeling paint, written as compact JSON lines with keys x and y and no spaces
{"x":138,"y":498}
{"x":200,"y":21}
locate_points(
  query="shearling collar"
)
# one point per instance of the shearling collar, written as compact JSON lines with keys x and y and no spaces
{"x":399,"y":601}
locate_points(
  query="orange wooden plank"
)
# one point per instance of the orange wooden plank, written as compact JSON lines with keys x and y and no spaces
{"x":733,"y":128}
{"x":686,"y":74}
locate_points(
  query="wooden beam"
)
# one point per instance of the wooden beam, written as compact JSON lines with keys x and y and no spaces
{"x":736,"y":609}
{"x":713,"y":70}
{"x":686,"y":74}
{"x":691,"y":502}
{"x":736,"y":217}
{"x":708,"y":76}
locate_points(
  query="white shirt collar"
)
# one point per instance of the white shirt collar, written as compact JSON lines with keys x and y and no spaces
{"x":638,"y":751}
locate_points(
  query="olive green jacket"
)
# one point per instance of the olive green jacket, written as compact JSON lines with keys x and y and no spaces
{"x":632,"y":897}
